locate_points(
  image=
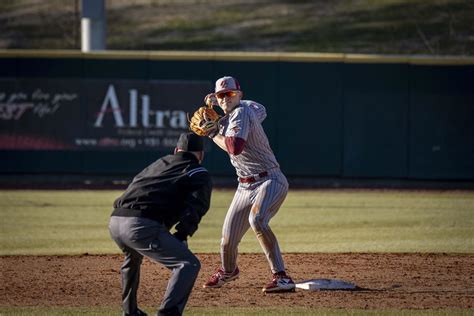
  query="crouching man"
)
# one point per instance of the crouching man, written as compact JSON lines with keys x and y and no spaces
{"x":175,"y":189}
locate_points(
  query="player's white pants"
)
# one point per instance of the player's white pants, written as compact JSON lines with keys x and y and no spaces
{"x":254,"y":204}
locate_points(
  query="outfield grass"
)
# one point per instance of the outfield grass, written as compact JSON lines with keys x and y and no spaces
{"x":75,"y":222}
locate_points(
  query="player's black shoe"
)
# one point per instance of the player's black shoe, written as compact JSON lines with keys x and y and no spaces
{"x":139,"y":312}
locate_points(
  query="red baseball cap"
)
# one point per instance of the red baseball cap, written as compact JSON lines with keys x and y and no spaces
{"x":226,"y":83}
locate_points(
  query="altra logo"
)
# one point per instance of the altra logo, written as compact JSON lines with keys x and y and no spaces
{"x":139,"y":115}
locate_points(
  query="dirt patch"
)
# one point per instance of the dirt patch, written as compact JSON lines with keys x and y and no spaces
{"x":389,"y":281}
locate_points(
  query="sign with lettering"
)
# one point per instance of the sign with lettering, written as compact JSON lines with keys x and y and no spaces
{"x":56,"y":114}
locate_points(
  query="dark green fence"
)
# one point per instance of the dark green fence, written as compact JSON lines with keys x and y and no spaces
{"x":328,"y":115}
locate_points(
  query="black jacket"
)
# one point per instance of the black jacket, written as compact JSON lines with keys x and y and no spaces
{"x":175,"y":188}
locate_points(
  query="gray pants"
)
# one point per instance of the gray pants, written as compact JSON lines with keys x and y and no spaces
{"x":254,"y":205}
{"x":138,"y":237}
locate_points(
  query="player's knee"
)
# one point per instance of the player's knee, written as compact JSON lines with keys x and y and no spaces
{"x":258,"y":224}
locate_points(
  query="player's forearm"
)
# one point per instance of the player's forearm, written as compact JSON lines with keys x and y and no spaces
{"x":220,"y":141}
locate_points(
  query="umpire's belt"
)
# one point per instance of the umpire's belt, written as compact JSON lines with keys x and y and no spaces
{"x":253,"y":178}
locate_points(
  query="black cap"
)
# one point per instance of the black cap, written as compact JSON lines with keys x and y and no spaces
{"x":190,"y":142}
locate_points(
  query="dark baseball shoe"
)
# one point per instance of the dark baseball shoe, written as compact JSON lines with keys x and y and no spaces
{"x":281,"y":283}
{"x":220,"y":277}
{"x":139,"y":312}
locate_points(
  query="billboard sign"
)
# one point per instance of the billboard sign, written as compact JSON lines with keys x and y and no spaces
{"x":69,"y":114}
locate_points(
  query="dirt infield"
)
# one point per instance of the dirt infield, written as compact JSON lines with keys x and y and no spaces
{"x":389,"y":281}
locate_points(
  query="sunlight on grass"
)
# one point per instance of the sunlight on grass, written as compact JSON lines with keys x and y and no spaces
{"x":75,"y":222}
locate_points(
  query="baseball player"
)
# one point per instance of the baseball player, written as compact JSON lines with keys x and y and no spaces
{"x":262,"y":186}
{"x":173,"y":189}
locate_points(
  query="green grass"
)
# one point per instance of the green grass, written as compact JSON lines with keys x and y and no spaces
{"x":11,"y":311}
{"x":71,"y":222}
{"x":75,"y":222}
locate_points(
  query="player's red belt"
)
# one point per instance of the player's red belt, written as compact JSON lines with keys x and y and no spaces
{"x":253,"y":179}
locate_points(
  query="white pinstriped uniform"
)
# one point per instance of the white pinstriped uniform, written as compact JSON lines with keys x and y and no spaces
{"x":254,"y":204}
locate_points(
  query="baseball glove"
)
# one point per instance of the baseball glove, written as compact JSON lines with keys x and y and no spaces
{"x":204,"y":121}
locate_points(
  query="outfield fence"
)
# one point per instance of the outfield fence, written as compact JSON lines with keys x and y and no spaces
{"x":329,"y":115}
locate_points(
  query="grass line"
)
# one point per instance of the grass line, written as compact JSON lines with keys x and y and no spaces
{"x":75,"y":222}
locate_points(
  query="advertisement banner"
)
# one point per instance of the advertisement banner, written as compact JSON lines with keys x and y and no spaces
{"x":69,"y":114}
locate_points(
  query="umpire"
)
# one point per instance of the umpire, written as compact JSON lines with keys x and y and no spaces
{"x":175,"y":189}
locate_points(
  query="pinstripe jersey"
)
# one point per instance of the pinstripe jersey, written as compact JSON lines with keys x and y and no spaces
{"x":245,"y":122}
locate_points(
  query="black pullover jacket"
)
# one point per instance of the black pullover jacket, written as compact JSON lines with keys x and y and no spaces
{"x":175,"y":188}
